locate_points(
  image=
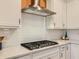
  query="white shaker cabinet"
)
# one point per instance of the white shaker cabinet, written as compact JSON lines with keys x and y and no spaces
{"x":53,"y":56}
{"x":72,"y":14}
{"x":64,"y":52}
{"x":59,"y":52}
{"x":52,"y":53}
{"x":74,"y":51}
{"x":60,"y":17}
{"x":57,"y":21}
{"x":68,"y":51}
{"x":9,"y":13}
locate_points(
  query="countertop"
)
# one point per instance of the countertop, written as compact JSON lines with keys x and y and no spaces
{"x":19,"y":50}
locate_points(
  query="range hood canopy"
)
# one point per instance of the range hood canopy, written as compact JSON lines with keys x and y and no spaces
{"x":37,"y":10}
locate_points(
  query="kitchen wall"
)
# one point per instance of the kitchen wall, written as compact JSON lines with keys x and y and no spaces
{"x":32,"y":29}
{"x":12,"y":37}
{"x":73,"y":34}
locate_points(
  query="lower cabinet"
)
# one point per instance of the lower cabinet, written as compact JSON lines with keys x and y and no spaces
{"x":64,"y":52}
{"x":68,"y":51}
{"x":74,"y":51}
{"x":54,"y":55}
{"x":47,"y":54}
{"x":60,"y":52}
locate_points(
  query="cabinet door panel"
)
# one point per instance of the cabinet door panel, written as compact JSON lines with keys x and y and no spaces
{"x":65,"y":51}
{"x":53,"y":56}
{"x":74,"y":51}
{"x":47,"y":54}
{"x":73,"y":14}
{"x":9,"y":12}
{"x":68,"y":49}
{"x":58,"y":21}
{"x":62,"y":52}
{"x":60,"y":9}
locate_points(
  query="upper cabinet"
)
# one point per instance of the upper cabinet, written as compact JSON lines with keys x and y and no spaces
{"x":60,"y":17}
{"x":67,"y":14}
{"x":72,"y":14}
{"x":9,"y":13}
{"x":57,"y":21}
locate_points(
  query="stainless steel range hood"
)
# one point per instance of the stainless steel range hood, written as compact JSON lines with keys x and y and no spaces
{"x":37,"y":10}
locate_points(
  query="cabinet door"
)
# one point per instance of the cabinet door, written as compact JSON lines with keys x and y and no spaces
{"x":62,"y":52}
{"x":74,"y":51}
{"x":65,"y":52}
{"x":53,"y":56}
{"x":9,"y":12}
{"x":73,"y":14}
{"x":57,"y":21}
{"x":51,"y":53}
{"x":60,"y":9}
{"x":68,"y":49}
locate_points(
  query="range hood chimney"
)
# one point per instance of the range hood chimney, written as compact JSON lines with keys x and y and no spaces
{"x":37,"y":10}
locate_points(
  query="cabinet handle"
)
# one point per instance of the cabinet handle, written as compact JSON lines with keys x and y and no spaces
{"x":49,"y":58}
{"x":61,"y":55}
{"x":40,"y":58}
{"x":54,"y":24}
{"x":67,"y":47}
{"x":63,"y":25}
{"x":62,"y":48}
{"x":19,"y":21}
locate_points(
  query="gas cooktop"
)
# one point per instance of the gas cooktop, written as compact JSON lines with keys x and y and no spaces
{"x":38,"y":44}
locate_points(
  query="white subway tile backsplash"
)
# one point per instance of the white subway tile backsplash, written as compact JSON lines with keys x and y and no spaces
{"x":73,"y":34}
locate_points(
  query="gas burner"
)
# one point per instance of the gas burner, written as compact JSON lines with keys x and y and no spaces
{"x":38,"y":44}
